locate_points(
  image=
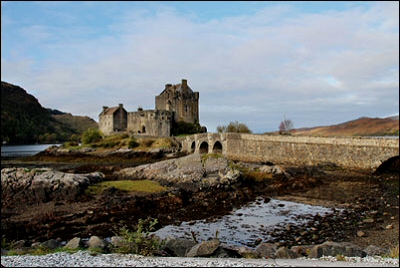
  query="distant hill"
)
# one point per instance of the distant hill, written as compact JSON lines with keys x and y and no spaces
{"x":25,"y":121}
{"x":363,"y":126}
{"x":78,"y":123}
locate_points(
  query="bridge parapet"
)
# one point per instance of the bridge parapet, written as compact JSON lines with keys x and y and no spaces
{"x":356,"y":152}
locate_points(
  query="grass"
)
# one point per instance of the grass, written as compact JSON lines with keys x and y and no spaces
{"x":255,"y":175}
{"x":394,"y":252}
{"x":204,"y":157}
{"x":146,"y":186}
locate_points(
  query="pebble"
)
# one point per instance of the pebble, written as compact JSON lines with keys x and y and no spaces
{"x":85,"y":259}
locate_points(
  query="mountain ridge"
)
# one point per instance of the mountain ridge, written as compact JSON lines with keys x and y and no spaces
{"x":363,"y":126}
{"x":25,"y":121}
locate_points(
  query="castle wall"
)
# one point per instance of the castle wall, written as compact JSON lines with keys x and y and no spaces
{"x":106,"y":124}
{"x":120,"y":120}
{"x":150,"y":122}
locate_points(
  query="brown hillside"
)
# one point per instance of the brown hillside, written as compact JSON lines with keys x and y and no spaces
{"x":363,"y":126}
{"x":79,"y":123}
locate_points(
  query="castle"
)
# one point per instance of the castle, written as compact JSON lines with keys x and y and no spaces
{"x":176,"y":103}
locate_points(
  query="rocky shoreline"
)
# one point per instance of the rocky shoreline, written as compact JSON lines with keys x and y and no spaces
{"x":198,"y":187}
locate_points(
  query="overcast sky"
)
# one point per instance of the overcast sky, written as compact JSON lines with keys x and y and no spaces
{"x":315,"y":63}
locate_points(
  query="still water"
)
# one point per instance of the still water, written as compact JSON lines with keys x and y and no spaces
{"x":243,"y":226}
{"x":23,"y":150}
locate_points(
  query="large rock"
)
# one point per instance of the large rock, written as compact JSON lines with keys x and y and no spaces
{"x":330,"y":248}
{"x":204,"y":249}
{"x":41,"y":185}
{"x":266,"y":250}
{"x":285,"y":253}
{"x":179,"y":246}
{"x":193,"y":171}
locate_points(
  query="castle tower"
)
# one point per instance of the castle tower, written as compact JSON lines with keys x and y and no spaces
{"x":181,"y":100}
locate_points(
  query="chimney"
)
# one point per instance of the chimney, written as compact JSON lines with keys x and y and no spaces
{"x":105,"y":108}
{"x":167,"y":85}
{"x":120,"y":105}
{"x":184,"y":83}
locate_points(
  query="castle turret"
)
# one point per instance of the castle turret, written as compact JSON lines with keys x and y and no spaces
{"x":184,"y":84}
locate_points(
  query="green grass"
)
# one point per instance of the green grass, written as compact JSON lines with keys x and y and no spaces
{"x":204,"y":157}
{"x":146,"y":186}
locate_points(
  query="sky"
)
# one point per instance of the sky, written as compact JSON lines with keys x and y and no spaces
{"x":257,"y":63}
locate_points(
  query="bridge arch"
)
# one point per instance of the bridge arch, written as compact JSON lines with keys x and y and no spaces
{"x":193,"y":147}
{"x":203,"y":149}
{"x":390,"y":165}
{"x":217,"y":148}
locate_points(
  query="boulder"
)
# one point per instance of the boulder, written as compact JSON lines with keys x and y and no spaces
{"x":266,"y":250}
{"x":191,"y":172}
{"x":285,"y":253}
{"x":40,"y":185}
{"x":330,"y":248}
{"x":96,"y":243}
{"x":204,"y":249}
{"x":178,"y":247}
{"x":74,"y":243}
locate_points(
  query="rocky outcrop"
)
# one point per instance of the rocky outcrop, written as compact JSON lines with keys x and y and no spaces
{"x":192,"y":172}
{"x":40,"y":185}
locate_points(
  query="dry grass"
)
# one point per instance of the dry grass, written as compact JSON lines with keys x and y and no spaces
{"x":394,"y":252}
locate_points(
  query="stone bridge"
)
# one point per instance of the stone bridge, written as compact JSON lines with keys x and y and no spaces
{"x":354,"y":152}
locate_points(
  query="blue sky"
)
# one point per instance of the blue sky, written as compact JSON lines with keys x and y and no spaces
{"x":315,"y":63}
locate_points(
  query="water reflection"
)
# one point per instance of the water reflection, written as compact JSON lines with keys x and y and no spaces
{"x":245,"y":225}
{"x":23,"y":150}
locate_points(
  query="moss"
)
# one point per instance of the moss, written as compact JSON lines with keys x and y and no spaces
{"x":146,"y":186}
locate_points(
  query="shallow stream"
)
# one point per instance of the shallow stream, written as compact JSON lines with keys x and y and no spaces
{"x":244,"y":226}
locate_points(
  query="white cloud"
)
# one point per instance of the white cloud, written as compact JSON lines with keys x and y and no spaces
{"x":254,"y":68}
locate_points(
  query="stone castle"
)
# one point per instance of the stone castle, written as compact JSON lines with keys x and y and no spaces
{"x":176,"y":103}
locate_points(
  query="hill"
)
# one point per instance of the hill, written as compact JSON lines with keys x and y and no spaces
{"x":78,"y":123}
{"x":25,"y":121}
{"x":364,"y":126}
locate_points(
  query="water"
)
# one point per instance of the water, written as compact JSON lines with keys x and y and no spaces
{"x":246,"y":225}
{"x":23,"y":150}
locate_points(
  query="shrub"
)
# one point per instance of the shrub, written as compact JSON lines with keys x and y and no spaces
{"x":132,"y":143}
{"x":139,"y":241}
{"x":91,"y":135}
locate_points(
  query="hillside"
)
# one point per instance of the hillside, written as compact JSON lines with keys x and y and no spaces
{"x":78,"y":123}
{"x":363,"y":126}
{"x":25,"y":121}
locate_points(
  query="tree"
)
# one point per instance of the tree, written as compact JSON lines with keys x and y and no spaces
{"x":221,"y":129}
{"x":286,"y":126}
{"x":234,"y":127}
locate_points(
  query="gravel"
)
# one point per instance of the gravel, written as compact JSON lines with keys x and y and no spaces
{"x":85,"y":259}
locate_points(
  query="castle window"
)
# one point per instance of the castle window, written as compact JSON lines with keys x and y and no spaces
{"x":143,"y":129}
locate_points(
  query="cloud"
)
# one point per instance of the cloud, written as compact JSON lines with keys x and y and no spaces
{"x":254,"y":68}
